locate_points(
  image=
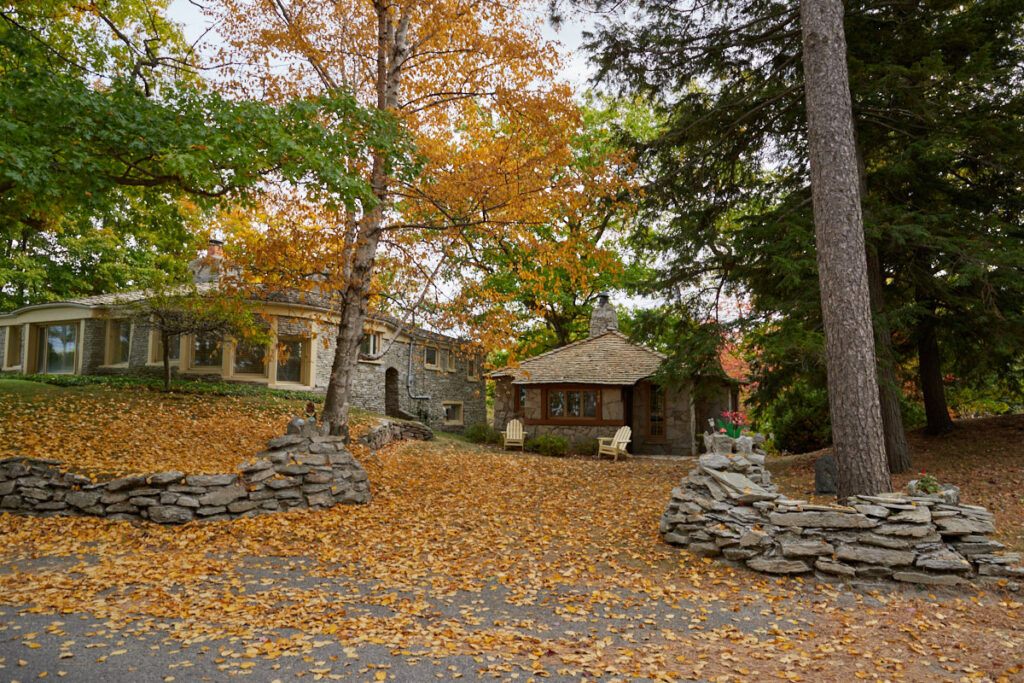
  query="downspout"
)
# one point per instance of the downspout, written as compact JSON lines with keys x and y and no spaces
{"x":408,"y":378}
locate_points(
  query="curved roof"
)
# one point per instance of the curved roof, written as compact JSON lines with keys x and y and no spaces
{"x":606,"y":359}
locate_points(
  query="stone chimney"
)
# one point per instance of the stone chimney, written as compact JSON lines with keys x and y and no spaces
{"x":206,"y":268}
{"x":604,"y":318}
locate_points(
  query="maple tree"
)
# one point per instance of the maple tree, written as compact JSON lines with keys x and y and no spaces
{"x":476,"y":85}
{"x":114,"y":149}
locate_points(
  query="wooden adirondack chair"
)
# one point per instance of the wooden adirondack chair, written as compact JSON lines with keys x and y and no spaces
{"x":513,"y":435}
{"x":616,"y":445}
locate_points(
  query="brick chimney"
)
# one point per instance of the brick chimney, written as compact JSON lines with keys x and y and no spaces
{"x":604,"y":318}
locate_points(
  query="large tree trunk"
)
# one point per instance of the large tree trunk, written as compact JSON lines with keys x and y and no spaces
{"x":897,"y":451}
{"x":861,"y":466}
{"x":392,"y":49}
{"x":930,"y":368}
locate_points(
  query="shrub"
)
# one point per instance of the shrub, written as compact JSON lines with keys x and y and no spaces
{"x":548,"y":444}
{"x":585,"y":447}
{"x":800,"y":419}
{"x":482,"y":433}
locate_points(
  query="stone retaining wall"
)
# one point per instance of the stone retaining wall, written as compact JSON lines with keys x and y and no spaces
{"x":727,"y":507}
{"x":302,"y":469}
{"x":386,"y":431}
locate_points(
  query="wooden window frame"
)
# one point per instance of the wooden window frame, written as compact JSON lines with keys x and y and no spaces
{"x":40,"y":340}
{"x":12,"y":363}
{"x":472,"y":372}
{"x":462,"y":416}
{"x":375,"y":338}
{"x":192,"y":365}
{"x":652,"y":390}
{"x":437,"y":355}
{"x":519,"y":407}
{"x":112,"y":340}
{"x":306,"y":369}
{"x":156,"y":352}
{"x":597,"y":420}
{"x":249,"y":375}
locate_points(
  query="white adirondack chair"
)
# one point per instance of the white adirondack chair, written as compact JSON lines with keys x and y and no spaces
{"x":616,"y":445}
{"x":513,"y":435}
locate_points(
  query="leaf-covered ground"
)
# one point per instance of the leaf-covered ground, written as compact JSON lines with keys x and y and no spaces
{"x":469,"y":562}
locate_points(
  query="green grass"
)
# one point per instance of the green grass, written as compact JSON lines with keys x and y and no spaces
{"x":184,"y":386}
{"x":25,"y":389}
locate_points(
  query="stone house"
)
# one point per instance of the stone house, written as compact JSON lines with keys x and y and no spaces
{"x":590,"y":388}
{"x":423,"y":375}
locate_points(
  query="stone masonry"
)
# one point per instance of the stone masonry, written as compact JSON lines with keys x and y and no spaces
{"x":302,"y":469}
{"x":727,"y":507}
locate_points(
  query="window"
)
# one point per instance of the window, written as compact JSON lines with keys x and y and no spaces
{"x":57,"y":345}
{"x":452,"y":413}
{"x":471,"y":371}
{"x":250,"y":359}
{"x":291,"y":358}
{"x":573,"y":403}
{"x":520,"y":394}
{"x":451,"y":360}
{"x":656,"y":416}
{"x":370,"y":345}
{"x":119,"y":342}
{"x":430,"y":356}
{"x":443,"y":355}
{"x":12,"y":349}
{"x":206,"y":351}
{"x":158,"y":348}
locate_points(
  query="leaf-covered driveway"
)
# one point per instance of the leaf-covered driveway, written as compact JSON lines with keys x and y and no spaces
{"x":468,"y":562}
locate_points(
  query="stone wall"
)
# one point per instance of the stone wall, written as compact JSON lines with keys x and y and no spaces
{"x":94,"y":345}
{"x":727,"y":507}
{"x":385,"y":431}
{"x":302,"y":469}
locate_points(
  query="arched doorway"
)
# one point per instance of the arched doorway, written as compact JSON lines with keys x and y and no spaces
{"x":391,"y":406}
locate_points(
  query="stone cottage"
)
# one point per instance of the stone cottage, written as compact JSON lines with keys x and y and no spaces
{"x":590,"y":388}
{"x":423,"y":375}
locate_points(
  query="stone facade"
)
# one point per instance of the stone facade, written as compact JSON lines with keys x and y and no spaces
{"x":376,"y":385}
{"x":727,"y":507}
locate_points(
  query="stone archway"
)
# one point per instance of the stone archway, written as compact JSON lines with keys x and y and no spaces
{"x":391,"y":405}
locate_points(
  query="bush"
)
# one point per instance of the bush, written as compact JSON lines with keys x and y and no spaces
{"x":482,"y":433}
{"x":585,"y":447}
{"x":800,"y":419}
{"x":548,"y":444}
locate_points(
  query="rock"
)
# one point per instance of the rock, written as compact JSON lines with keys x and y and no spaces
{"x":745,"y":445}
{"x":928,"y":579}
{"x":211,"y":479}
{"x":830,"y":567}
{"x":893,"y":542}
{"x":165,"y":478}
{"x":872,"y":572}
{"x":1001,"y":570}
{"x":943,"y":560}
{"x":143,"y":501}
{"x":211,"y":510}
{"x":872,"y":510}
{"x":170,"y":514}
{"x":311,"y":459}
{"x":775,"y":565}
{"x":673,"y":538}
{"x":721,"y":444}
{"x":755,"y":458}
{"x":187,"y":501}
{"x":259,"y":465}
{"x":242,"y":506}
{"x":831,"y":520}
{"x":125,"y":483}
{"x":284,"y":483}
{"x":714,"y":461}
{"x":223,"y":496}
{"x":755,"y":539}
{"x":82,"y":499}
{"x":295,"y":426}
{"x":319,"y":477}
{"x":735,"y":553}
{"x":955,"y":526}
{"x":1008,"y":558}
{"x":262,"y":475}
{"x":807,"y":549}
{"x":704,"y":549}
{"x":282,"y":441}
{"x":825,"y":474}
{"x":121,"y":507}
{"x":875,"y":555}
{"x":293,"y":469}
{"x":919,"y":515}
{"x":736,"y":485}
{"x":6,"y":487}
{"x":913,"y":530}
{"x":320,"y":499}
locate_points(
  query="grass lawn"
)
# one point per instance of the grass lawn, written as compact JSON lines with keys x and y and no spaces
{"x":517,"y":563}
{"x":25,"y":389}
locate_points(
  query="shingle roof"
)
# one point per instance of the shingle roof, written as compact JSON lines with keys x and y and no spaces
{"x":607,"y":359}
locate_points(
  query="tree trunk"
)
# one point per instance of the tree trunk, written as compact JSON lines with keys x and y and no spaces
{"x":930,"y":369}
{"x":165,"y":339}
{"x":392,"y":51}
{"x":897,"y":451}
{"x":842,"y":269}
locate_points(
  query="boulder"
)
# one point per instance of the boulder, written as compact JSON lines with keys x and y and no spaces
{"x":776,"y":565}
{"x":170,"y":514}
{"x":874,"y":555}
{"x":828,"y":520}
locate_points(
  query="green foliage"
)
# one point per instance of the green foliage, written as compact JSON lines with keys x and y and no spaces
{"x":799,"y":419}
{"x":184,"y":386}
{"x":109,"y":158}
{"x":548,"y":444}
{"x":928,"y":484}
{"x":585,"y":447}
{"x":482,"y":433}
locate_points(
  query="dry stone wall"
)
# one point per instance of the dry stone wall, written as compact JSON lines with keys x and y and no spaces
{"x":302,"y":469}
{"x":385,"y":431}
{"x":727,"y":507}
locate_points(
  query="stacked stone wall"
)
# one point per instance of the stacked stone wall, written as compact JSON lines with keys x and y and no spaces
{"x":302,"y":469}
{"x":728,"y":508}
